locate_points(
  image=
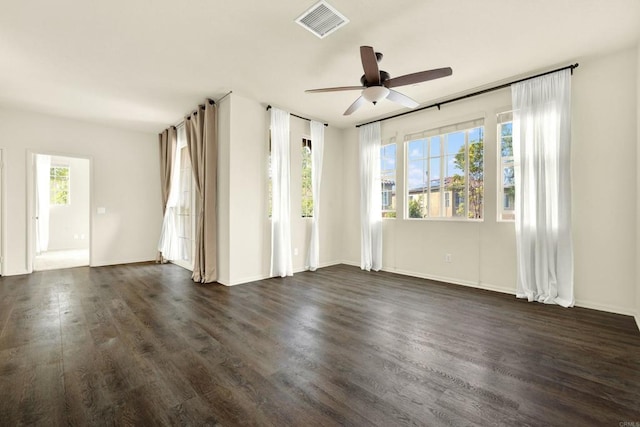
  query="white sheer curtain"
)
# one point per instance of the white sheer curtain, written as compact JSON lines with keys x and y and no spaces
{"x":43,"y":201}
{"x":281,"y":260}
{"x":169,"y":244}
{"x":317,"y":152}
{"x":542,"y":151}
{"x":370,"y":198}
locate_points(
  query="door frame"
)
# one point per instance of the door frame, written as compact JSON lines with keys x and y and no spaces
{"x":31,"y":203}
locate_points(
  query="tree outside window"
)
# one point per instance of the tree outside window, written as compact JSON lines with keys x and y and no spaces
{"x":59,"y":185}
{"x":307,"y":192}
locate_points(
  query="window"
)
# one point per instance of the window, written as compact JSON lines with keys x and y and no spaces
{"x":445,"y":172}
{"x":388,"y":178}
{"x":307,"y":193}
{"x":186,"y":206}
{"x":270,"y":183}
{"x":506,"y":185}
{"x":59,"y":185}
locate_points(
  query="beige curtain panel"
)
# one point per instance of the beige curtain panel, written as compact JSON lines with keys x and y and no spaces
{"x":168,"y":141}
{"x":202,"y":142}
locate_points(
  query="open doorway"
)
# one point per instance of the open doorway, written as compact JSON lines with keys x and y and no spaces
{"x":62,"y":212}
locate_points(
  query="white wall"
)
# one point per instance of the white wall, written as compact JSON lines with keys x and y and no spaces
{"x":604,"y":176}
{"x":245,"y":229}
{"x":125,"y":182}
{"x":224,"y":184}
{"x":604,"y":153}
{"x":69,"y":224}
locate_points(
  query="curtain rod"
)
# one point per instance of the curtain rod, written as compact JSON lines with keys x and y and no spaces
{"x":480,"y":92}
{"x":211,"y":101}
{"x":295,"y":115}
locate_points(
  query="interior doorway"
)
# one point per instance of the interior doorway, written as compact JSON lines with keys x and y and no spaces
{"x":62,"y":211}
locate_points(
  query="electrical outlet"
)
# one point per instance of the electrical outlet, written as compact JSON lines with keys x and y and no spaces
{"x":447,"y":257}
{"x":295,"y":251}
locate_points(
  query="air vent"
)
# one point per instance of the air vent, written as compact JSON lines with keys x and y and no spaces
{"x":322,"y":19}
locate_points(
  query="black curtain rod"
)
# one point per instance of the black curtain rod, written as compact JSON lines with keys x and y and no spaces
{"x":295,"y":115}
{"x":480,"y":92}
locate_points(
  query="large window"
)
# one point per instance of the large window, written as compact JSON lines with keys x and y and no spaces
{"x":506,"y":185}
{"x":307,"y":192}
{"x":388,"y":178}
{"x":445,"y":172}
{"x":59,"y":193}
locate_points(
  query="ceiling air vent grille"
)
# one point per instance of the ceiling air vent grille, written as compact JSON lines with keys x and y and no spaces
{"x":322,"y":19}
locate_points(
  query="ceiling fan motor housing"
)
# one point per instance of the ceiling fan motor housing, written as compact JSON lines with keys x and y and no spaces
{"x":384,"y":76}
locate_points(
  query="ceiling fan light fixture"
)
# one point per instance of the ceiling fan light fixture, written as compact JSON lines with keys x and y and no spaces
{"x":375,"y":93}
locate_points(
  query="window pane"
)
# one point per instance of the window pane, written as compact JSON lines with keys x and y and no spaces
{"x":434,"y":149}
{"x":416,"y":149}
{"x":388,"y":180}
{"x":59,"y":185}
{"x":417,"y":174}
{"x":416,"y":178}
{"x":476,"y":173}
{"x":307,"y":193}
{"x":506,"y":138}
{"x":454,"y":183}
{"x":508,"y":178}
{"x":506,"y":190}
{"x":435,"y":180}
{"x":455,"y":143}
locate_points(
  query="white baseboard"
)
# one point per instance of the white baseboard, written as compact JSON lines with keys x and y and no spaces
{"x":119,"y":262}
{"x":266,"y":276}
{"x":452,"y":280}
{"x":15,"y":273}
{"x":244,"y":280}
{"x":604,"y":307}
{"x":494,"y":288}
{"x":329,"y":263}
{"x":351,"y":263}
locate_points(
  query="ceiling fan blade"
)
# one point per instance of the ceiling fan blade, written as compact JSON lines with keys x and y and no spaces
{"x":370,"y":65}
{"x":401,"y":99}
{"x":422,"y":76}
{"x":334,"y":89}
{"x":357,"y":104}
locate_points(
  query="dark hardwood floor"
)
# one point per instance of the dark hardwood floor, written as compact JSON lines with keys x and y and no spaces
{"x":143,"y":345}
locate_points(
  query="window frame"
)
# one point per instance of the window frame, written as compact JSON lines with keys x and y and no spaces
{"x":441,"y":133}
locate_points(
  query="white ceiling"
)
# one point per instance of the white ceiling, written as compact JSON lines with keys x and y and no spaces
{"x":145,"y":64}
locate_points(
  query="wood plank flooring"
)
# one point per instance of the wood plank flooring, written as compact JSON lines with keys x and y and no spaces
{"x":143,"y":345}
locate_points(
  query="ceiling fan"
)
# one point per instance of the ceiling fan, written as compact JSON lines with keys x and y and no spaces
{"x":377,"y":84}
